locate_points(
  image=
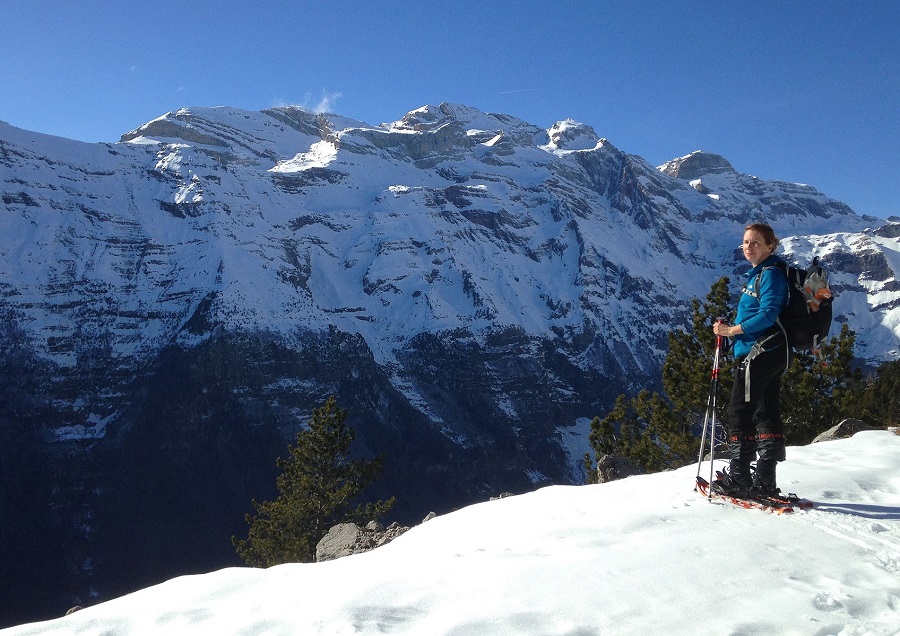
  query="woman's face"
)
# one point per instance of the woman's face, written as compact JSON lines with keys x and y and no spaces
{"x":756,"y":250}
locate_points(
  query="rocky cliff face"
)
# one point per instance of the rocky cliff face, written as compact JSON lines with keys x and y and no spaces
{"x":471,"y":287}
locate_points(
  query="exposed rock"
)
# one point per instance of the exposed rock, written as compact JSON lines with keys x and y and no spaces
{"x":173,"y":129}
{"x":612,"y":467}
{"x":572,"y":135}
{"x":695,"y":165}
{"x":697,"y":184}
{"x":342,"y":540}
{"x":345,"y":539}
{"x":891,"y":230}
{"x":847,"y":428}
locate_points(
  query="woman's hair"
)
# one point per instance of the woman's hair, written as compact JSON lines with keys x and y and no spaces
{"x":767,"y":232}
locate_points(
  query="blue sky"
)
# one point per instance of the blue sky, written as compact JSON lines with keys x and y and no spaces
{"x":800,"y":90}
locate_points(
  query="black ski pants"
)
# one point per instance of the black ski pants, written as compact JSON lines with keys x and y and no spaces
{"x":754,"y":425}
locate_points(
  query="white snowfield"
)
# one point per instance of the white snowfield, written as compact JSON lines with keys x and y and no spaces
{"x":645,"y":555}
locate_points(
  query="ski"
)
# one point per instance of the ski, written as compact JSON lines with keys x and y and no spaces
{"x":766,"y":505}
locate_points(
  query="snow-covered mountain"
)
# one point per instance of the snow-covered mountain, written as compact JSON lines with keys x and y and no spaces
{"x":644,"y":555}
{"x":472,"y":288}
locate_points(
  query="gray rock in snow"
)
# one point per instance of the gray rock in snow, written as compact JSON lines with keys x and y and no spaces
{"x":345,"y":539}
{"x":847,"y":428}
{"x":612,"y":467}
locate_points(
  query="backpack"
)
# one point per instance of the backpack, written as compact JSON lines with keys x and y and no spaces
{"x":806,"y":318}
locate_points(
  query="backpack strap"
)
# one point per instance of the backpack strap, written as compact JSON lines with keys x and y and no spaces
{"x":759,"y":346}
{"x":755,"y":291}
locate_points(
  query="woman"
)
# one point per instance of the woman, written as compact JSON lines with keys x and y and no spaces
{"x":754,"y":412}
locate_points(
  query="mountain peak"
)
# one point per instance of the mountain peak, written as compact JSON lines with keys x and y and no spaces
{"x":423,"y":118}
{"x":697,"y":164}
{"x":466,"y":118}
{"x":569,"y":134}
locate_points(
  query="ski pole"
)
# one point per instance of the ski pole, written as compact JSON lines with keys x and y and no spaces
{"x":715,"y":394}
{"x":709,"y":419}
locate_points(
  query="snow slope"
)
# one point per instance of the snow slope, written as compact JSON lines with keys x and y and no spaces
{"x":645,"y":555}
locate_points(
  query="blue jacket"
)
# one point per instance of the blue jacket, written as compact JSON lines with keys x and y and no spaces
{"x":759,"y":308}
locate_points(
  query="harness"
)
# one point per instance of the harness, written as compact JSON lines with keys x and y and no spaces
{"x":760,"y":345}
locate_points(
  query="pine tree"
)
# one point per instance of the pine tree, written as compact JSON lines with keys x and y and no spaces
{"x":880,"y":402}
{"x":317,"y":489}
{"x":687,"y":368}
{"x":819,"y":392}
